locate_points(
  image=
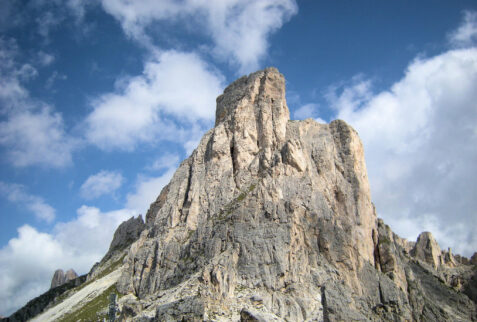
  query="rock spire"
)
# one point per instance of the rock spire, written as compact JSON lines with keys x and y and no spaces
{"x":60,"y":277}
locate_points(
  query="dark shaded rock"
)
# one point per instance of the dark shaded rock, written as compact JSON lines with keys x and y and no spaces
{"x":190,"y":309}
{"x":433,"y":300}
{"x":246,"y":315}
{"x":127,"y":233}
{"x":473,"y":259}
{"x":471,"y":288}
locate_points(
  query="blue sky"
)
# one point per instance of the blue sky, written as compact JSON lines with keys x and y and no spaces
{"x":101,"y":100}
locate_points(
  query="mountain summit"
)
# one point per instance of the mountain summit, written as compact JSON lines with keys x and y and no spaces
{"x":271,"y":219}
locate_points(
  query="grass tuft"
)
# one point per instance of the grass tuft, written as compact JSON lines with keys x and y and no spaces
{"x":92,"y":310}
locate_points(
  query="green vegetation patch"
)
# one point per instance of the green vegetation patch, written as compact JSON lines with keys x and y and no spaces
{"x":111,"y":268}
{"x":190,"y":233}
{"x":231,"y":206}
{"x":384,"y":240}
{"x":92,"y":310}
{"x":240,"y":288}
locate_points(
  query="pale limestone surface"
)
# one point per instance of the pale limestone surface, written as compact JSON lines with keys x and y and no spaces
{"x":427,"y":250}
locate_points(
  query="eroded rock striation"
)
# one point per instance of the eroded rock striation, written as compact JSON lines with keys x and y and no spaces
{"x":271,"y":219}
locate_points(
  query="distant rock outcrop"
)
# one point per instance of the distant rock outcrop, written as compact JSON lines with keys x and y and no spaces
{"x":427,"y":250}
{"x":60,"y":277}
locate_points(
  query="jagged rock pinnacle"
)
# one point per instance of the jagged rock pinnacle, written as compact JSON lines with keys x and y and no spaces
{"x":253,"y":112}
{"x":427,"y":249}
{"x":262,"y":89}
{"x":60,"y":277}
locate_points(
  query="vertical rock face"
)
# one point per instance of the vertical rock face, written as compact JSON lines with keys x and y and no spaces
{"x":60,"y":277}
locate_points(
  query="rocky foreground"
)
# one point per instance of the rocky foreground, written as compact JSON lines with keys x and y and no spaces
{"x":271,"y":219}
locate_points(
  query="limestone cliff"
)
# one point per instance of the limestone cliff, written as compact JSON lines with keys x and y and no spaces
{"x":271,"y":219}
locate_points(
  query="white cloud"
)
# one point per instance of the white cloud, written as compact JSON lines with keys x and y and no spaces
{"x":466,"y":34}
{"x":16,"y":193}
{"x":26,"y":258}
{"x":165,"y":161}
{"x":26,"y":72}
{"x":305,"y":111}
{"x":36,"y":137}
{"x":30,"y":131}
{"x":447,"y":236}
{"x":52,"y":13}
{"x":102,"y":183}
{"x":53,"y":78}
{"x":78,"y":8}
{"x":48,"y":21}
{"x":420,"y":138}
{"x":91,"y":232}
{"x":45,"y":59}
{"x":11,"y":90}
{"x":147,"y":190}
{"x":173,"y":85}
{"x":239,"y":29}
{"x":27,"y":262}
{"x":191,"y":144}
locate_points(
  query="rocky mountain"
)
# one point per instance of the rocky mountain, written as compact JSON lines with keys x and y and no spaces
{"x":271,"y":219}
{"x":60,"y":277}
